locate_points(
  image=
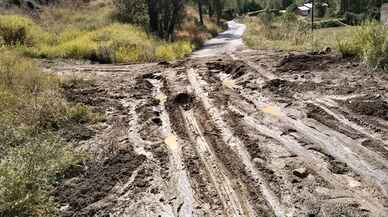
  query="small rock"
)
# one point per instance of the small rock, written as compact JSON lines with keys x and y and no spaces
{"x":301,"y":172}
{"x":65,"y":208}
{"x":258,"y":161}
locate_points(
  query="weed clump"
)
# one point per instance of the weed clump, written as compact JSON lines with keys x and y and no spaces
{"x":173,"y":51}
{"x":286,"y":31}
{"x":32,"y":155}
{"x":368,"y":42}
{"x":19,"y":30}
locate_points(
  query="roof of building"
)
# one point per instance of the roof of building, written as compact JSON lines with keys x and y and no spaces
{"x":308,"y":6}
{"x":304,"y":8}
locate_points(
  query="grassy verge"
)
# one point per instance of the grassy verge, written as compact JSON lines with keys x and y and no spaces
{"x":368,"y":42}
{"x":289,"y":33}
{"x":32,"y":155}
{"x":113,"y":43}
{"x":91,"y":33}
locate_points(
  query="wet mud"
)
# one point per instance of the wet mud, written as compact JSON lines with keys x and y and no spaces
{"x":253,"y":133}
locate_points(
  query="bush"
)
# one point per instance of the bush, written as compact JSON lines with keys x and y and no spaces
{"x":355,"y":19}
{"x":369,"y":42}
{"x":16,"y":29}
{"x":173,"y":51}
{"x":348,"y":49}
{"x":27,"y":175}
{"x":134,"y":11}
{"x":116,"y":43}
{"x":32,"y":109}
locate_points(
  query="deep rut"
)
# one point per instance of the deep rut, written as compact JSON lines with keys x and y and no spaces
{"x":217,"y":141}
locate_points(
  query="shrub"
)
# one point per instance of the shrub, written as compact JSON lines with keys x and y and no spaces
{"x":134,"y":11}
{"x":355,"y":19}
{"x":173,"y":51}
{"x":369,"y":42}
{"x":16,"y":29}
{"x":32,"y":108}
{"x":348,"y":49}
{"x":116,"y":43}
{"x":27,"y":175}
{"x":113,"y":43}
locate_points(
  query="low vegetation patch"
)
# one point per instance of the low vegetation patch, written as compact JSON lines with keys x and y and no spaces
{"x":78,"y":33}
{"x":289,"y":32}
{"x":115,"y":43}
{"x":20,"y":30}
{"x":32,"y":155}
{"x":368,"y":42}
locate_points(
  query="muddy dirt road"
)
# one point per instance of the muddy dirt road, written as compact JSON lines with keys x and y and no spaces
{"x":232,"y":132}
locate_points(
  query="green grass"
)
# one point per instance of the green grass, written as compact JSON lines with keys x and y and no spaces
{"x":20,"y":30}
{"x":368,"y":42}
{"x":294,"y":36}
{"x":114,"y":43}
{"x":32,"y":155}
{"x":27,"y":175}
{"x":91,"y":33}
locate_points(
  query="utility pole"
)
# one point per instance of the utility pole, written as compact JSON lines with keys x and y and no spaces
{"x":312,"y":15}
{"x":312,"y":24}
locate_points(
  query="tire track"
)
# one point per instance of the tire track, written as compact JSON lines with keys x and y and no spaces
{"x":334,"y":141}
{"x":234,"y":203}
{"x":179,"y":180}
{"x":235,"y":144}
{"x":325,"y":105}
{"x":314,"y":162}
{"x":359,"y":158}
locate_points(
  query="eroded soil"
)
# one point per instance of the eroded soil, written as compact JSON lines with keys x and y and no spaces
{"x":256,"y":133}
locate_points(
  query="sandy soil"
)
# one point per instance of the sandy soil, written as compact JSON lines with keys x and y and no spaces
{"x":233,"y":132}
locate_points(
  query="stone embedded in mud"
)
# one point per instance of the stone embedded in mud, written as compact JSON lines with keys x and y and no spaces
{"x":300,"y":172}
{"x":352,"y":182}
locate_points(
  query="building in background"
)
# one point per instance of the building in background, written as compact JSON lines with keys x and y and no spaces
{"x":305,"y":9}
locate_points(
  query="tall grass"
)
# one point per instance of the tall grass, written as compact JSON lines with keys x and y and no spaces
{"x":32,"y":156}
{"x":285,"y":32}
{"x":21,"y":30}
{"x":288,"y":32}
{"x":113,"y":43}
{"x":368,"y":42}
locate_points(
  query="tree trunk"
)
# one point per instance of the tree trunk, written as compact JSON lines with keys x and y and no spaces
{"x":211,"y":11}
{"x":177,"y":7}
{"x":219,"y":9}
{"x":153,"y":15}
{"x":200,"y":12}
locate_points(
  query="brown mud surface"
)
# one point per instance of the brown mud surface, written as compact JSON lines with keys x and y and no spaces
{"x":256,"y":133}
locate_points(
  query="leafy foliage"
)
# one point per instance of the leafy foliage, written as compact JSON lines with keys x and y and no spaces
{"x":368,"y":42}
{"x":32,"y":157}
{"x":21,"y":30}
